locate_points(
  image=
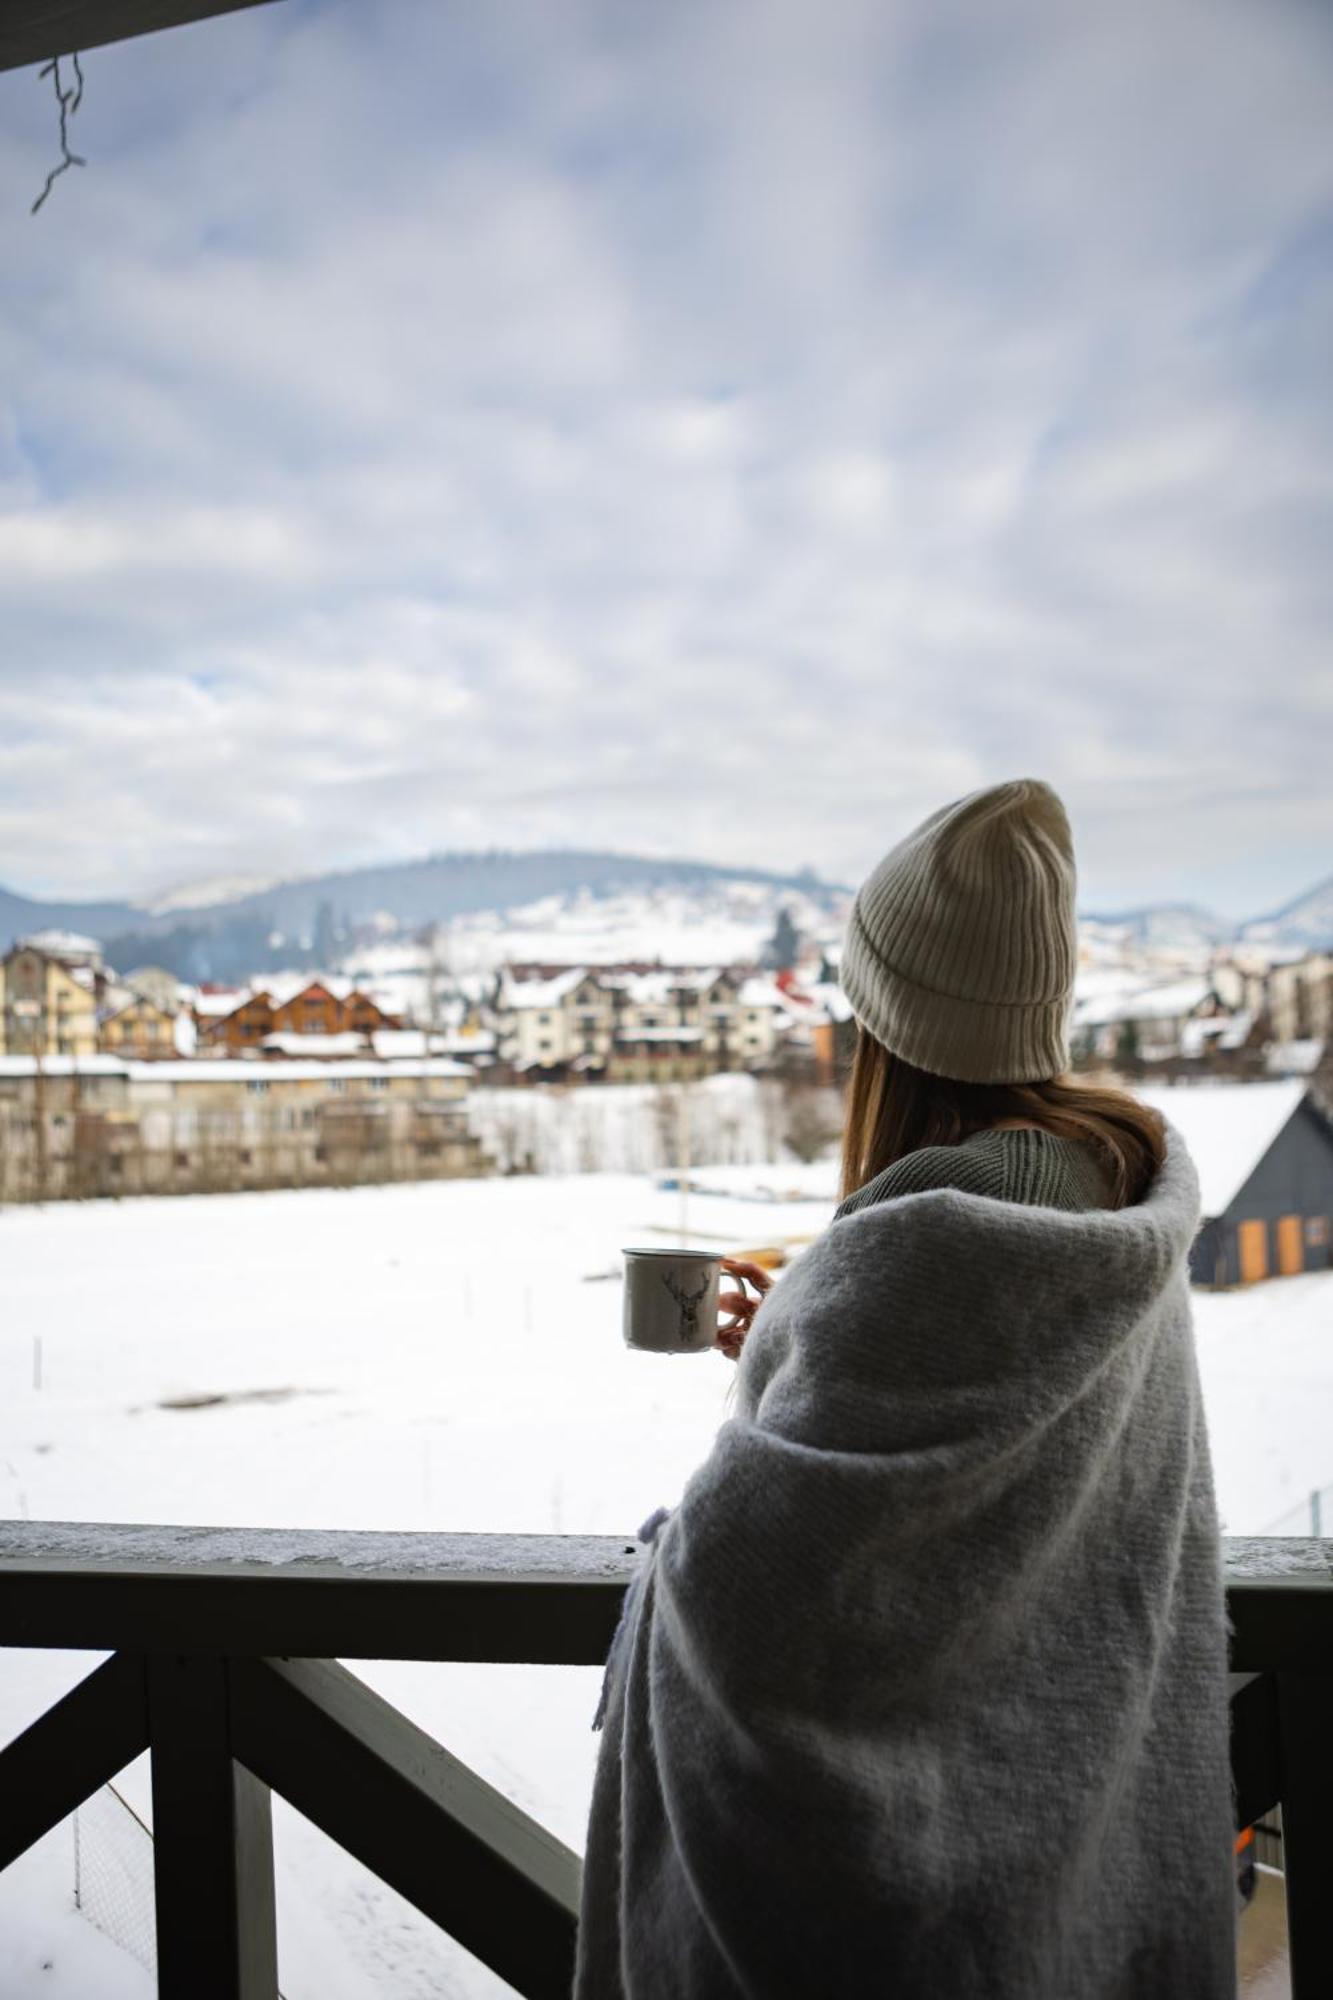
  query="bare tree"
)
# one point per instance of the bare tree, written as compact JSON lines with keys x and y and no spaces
{"x":810,"y":1124}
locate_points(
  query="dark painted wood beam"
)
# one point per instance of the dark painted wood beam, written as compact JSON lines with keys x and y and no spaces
{"x":468,"y":1857}
{"x":79,"y":1745}
{"x":31,"y":31}
{"x":313,"y":1595}
{"x":212,"y":1842}
{"x":554,"y":1598}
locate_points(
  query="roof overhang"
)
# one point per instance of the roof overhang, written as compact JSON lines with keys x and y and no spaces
{"x":32,"y":31}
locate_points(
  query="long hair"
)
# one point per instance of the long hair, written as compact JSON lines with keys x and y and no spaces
{"x":893,"y":1108}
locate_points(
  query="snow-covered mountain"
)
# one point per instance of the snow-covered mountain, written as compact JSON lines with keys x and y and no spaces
{"x":561,"y":905}
{"x":1306,"y":924}
{"x":1161,"y":928}
{"x":208,"y":895}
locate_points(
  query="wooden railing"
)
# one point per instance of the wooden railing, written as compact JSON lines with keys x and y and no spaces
{"x":224,"y":1650}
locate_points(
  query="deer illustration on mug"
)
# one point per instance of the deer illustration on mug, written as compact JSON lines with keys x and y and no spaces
{"x":689,"y":1303}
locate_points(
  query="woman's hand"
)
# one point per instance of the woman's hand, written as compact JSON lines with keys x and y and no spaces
{"x":739,"y":1306}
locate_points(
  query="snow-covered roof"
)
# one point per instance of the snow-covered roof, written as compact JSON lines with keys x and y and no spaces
{"x":1172,"y":1001}
{"x":1293,"y":1058}
{"x":522,"y":993}
{"x":1228,"y":1127}
{"x":215,"y":1006}
{"x":229,"y":1069}
{"x":1224,"y":1031}
{"x":285,"y":986}
{"x":223,"y":1069}
{"x":394,"y":1044}
{"x":63,"y":1065}
{"x":63,"y":944}
{"x":833,"y":1000}
{"x":759,"y":992}
{"x":659,"y":1035}
{"x":325,"y":1046}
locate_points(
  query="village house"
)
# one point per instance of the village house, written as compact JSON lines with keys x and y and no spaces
{"x":636,"y":1023}
{"x":1300,"y":998}
{"x":1264,"y":1154}
{"x":137,"y":1026}
{"x":52,"y":985}
{"x":1136,"y":1021}
{"x":290,"y":1008}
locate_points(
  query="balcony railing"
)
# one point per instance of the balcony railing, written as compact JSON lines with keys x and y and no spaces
{"x":224,"y":1650}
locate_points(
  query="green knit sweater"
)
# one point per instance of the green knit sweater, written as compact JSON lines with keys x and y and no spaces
{"x":1012,"y":1165}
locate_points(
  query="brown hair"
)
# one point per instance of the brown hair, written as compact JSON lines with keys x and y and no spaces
{"x":894,"y":1108}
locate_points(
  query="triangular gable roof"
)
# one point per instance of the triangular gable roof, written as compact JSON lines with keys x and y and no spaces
{"x":1228,"y":1127}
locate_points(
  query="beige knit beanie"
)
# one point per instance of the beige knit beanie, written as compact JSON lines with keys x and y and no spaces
{"x":960,"y":952}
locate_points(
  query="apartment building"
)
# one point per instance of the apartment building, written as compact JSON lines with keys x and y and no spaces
{"x":52,"y":985}
{"x":100,"y":1125}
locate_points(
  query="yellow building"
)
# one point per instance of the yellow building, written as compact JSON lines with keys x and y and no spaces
{"x":50,"y":1008}
{"x":139,"y":1028}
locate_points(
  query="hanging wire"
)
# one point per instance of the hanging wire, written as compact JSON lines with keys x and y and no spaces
{"x":69,"y":102}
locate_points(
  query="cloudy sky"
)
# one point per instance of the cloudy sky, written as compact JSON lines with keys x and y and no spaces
{"x":716,"y":429}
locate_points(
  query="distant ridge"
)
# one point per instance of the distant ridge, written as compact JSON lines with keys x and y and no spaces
{"x":1306,"y":923}
{"x":228,"y":938}
{"x":231,"y":937}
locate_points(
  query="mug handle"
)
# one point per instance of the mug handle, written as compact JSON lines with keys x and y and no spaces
{"x":735,"y":1278}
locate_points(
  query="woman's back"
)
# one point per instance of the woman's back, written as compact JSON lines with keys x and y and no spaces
{"x":1016,"y":1164}
{"x":922,"y":1688}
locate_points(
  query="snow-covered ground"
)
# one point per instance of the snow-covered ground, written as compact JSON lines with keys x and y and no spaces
{"x":445,"y":1355}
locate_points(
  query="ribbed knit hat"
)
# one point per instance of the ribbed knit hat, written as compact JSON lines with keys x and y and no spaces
{"x":960,"y":951}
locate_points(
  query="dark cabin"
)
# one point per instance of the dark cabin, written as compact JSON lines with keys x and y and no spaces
{"x":1264,"y":1152}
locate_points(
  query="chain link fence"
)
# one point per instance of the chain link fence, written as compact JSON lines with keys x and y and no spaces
{"x":113,"y":1873}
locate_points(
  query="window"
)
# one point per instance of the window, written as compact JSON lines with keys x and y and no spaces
{"x":379,"y":1083}
{"x":257,"y":1086}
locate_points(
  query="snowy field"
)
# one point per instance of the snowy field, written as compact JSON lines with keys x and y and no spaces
{"x":440,"y":1356}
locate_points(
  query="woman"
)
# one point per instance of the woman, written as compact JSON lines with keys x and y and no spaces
{"x":920,"y":1690}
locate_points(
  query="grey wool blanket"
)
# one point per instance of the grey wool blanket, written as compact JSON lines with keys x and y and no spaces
{"x":920,"y":1690}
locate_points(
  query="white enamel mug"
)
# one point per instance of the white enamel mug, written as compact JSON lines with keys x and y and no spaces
{"x":671,"y":1300}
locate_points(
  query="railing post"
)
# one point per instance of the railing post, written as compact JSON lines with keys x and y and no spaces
{"x":212,"y":1842}
{"x":1305,"y":1707}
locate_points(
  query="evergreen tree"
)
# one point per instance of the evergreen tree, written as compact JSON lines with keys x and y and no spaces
{"x":326,"y":943}
{"x":781,"y":949}
{"x":1127,"y":1051}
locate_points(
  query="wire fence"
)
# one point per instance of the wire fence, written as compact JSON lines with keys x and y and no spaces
{"x":113,"y":1873}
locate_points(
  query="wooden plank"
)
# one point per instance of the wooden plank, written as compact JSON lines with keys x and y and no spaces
{"x":212,"y":1842}
{"x":1305,"y":1717}
{"x":77,"y":1746}
{"x":540,"y":1598}
{"x":552,"y":1598}
{"x":32,"y":31}
{"x":466,"y":1856}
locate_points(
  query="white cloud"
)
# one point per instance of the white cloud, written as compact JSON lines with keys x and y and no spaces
{"x":723,"y":429}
